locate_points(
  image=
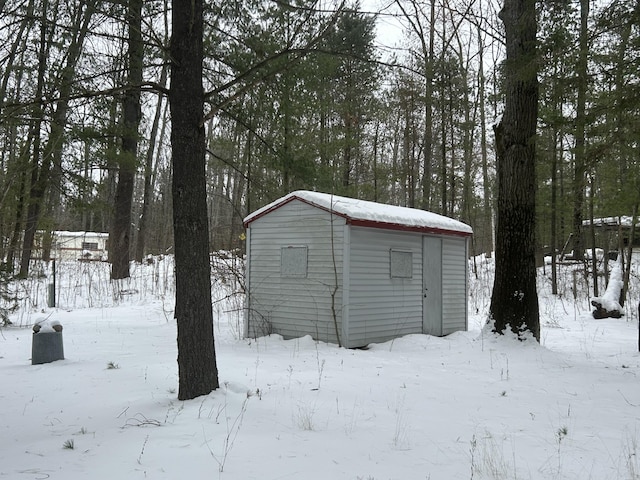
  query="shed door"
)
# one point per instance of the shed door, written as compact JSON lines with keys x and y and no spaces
{"x":432,"y":286}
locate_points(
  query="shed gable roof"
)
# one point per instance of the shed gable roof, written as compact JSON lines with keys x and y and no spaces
{"x":370,"y":214}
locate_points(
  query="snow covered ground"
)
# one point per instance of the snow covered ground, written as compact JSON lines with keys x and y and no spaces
{"x":469,"y":406}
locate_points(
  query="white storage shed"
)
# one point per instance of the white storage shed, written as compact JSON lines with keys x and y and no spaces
{"x":353,"y":272}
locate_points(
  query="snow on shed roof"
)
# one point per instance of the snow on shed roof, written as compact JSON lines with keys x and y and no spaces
{"x":370,"y":214}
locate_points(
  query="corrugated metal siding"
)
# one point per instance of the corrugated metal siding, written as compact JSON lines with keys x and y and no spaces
{"x":454,"y":285}
{"x":293,"y":307}
{"x":381,"y":307}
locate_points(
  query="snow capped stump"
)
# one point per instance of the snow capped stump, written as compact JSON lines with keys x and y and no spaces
{"x":608,"y":306}
{"x":46,"y":346}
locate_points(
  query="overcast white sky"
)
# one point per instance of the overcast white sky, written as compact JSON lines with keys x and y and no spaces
{"x":388,"y":28}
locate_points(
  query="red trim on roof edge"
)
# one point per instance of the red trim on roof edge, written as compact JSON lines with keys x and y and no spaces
{"x":406,"y":228}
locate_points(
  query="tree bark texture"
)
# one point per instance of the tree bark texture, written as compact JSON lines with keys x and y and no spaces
{"x":120,"y":238}
{"x":39,"y":169}
{"x":487,"y":211}
{"x":580,"y":167}
{"x":514,"y":301}
{"x":198,"y":374}
{"x":143,"y":224}
{"x":49,"y":170}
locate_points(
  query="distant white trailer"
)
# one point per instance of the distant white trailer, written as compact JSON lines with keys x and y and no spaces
{"x":79,"y":245}
{"x":353,"y":272}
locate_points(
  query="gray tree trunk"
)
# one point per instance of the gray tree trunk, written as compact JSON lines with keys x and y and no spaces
{"x":120,"y":237}
{"x":514,"y":300}
{"x":197,"y":369}
{"x":579,"y":172}
{"x":143,"y":225}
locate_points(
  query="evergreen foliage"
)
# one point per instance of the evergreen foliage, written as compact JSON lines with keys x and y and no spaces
{"x":8,"y":300}
{"x":298,"y":96}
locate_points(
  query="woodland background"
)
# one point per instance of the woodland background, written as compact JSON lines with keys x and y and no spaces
{"x":305,"y":95}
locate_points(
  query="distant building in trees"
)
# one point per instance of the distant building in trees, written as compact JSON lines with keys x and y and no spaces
{"x":613,"y":233}
{"x":88,"y":246}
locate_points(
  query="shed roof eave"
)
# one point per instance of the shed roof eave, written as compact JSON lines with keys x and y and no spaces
{"x":407,"y":228}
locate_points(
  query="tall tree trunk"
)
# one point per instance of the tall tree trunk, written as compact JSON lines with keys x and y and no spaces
{"x":629,"y":255}
{"x":592,"y":236}
{"x":452,"y":170}
{"x":39,"y":172}
{"x":579,"y":172}
{"x":162,"y":227}
{"x":628,"y":151}
{"x":427,"y":46}
{"x":19,"y":39}
{"x":469,"y":122}
{"x":56,"y":142}
{"x":443,"y":160}
{"x":375,"y":160}
{"x":428,"y":108}
{"x":120,"y":237}
{"x":347,"y":152}
{"x":197,"y":369}
{"x":19,"y":210}
{"x":50,"y":171}
{"x":554,"y":211}
{"x":486,"y":184}
{"x":143,"y":225}
{"x":17,"y":155}
{"x":514,"y":300}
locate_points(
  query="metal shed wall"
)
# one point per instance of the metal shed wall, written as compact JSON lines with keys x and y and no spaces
{"x":381,"y":307}
{"x":293,"y":307}
{"x":454,"y":284}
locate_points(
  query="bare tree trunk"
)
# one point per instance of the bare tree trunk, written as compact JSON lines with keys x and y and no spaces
{"x":428,"y":109}
{"x":592,"y":233}
{"x":514,"y":300}
{"x":163,"y":227}
{"x":19,"y":214}
{"x":375,"y":160}
{"x":20,"y":38}
{"x":427,"y":49}
{"x":579,"y":172}
{"x":120,"y":237}
{"x":197,"y":369}
{"x":627,"y":269}
{"x":467,"y":147}
{"x":55,"y":145}
{"x":39,"y":172}
{"x":49,"y":172}
{"x":453,"y":184}
{"x":148,"y":175}
{"x":18,"y":181}
{"x":486,"y":183}
{"x":443,"y":160}
{"x":554,"y":214}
